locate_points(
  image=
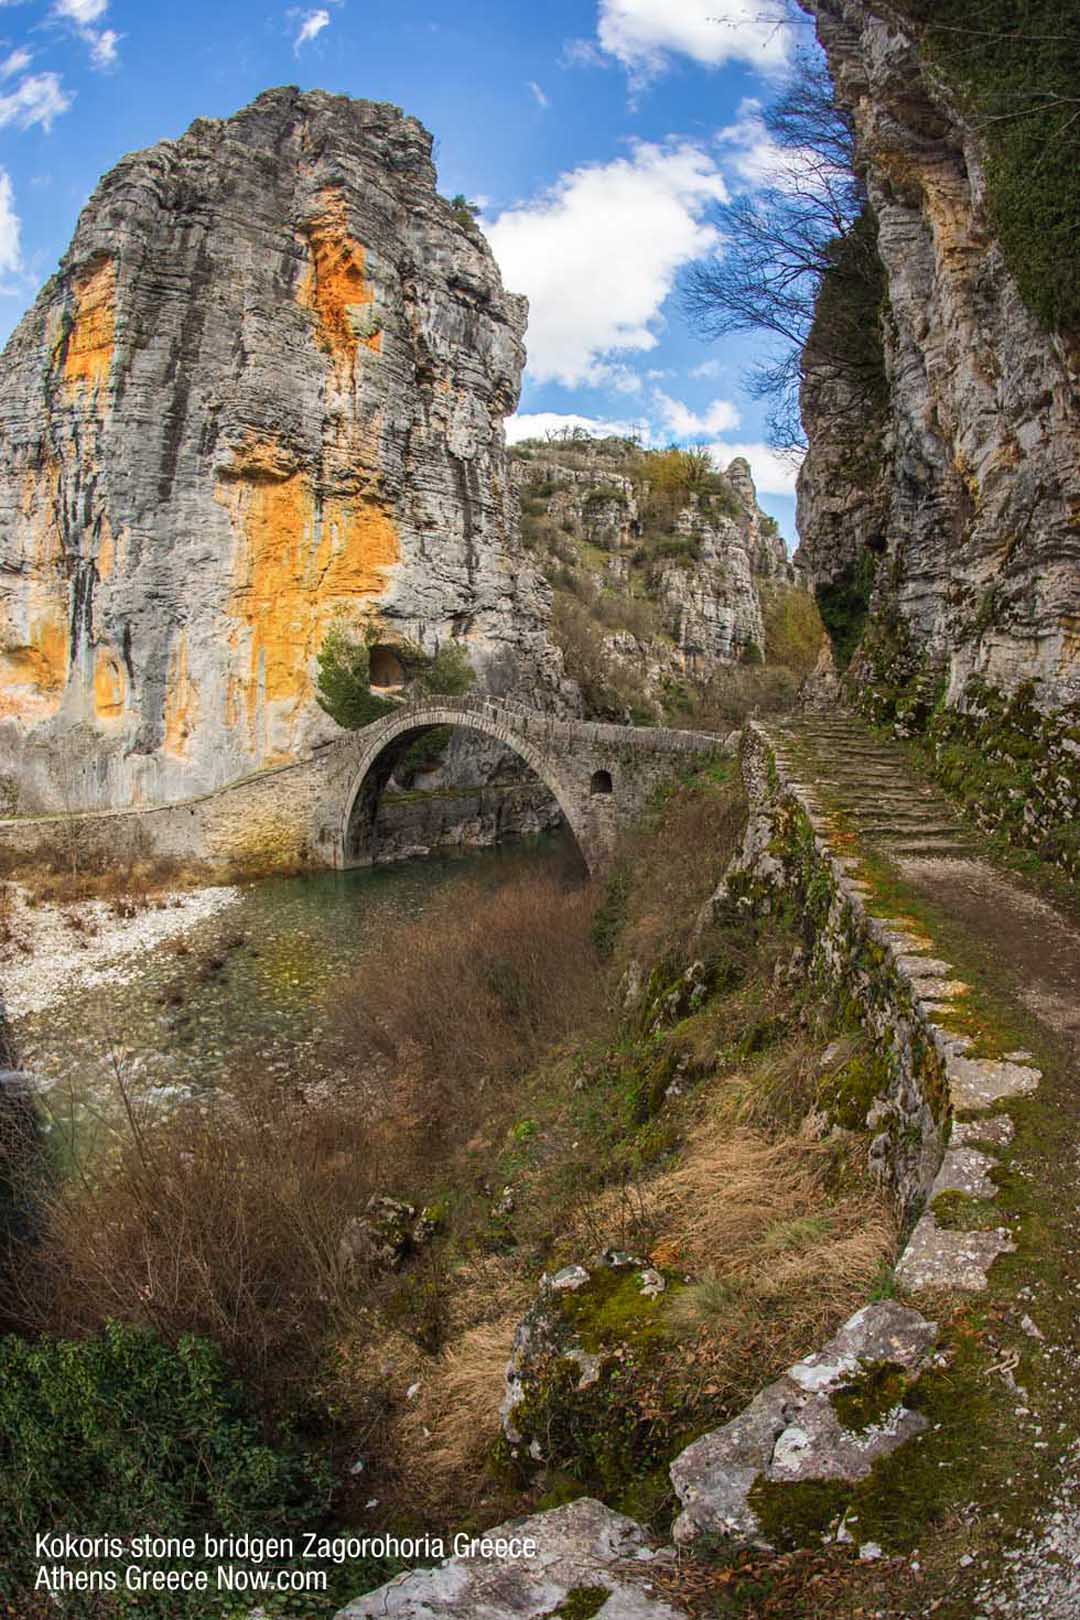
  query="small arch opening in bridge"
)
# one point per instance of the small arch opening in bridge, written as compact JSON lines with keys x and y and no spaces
{"x":601,"y":782}
{"x":385,"y":670}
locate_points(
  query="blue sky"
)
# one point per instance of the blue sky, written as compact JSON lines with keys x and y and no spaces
{"x":595,"y":134}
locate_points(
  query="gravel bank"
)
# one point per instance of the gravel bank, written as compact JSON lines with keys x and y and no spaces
{"x":55,"y":949}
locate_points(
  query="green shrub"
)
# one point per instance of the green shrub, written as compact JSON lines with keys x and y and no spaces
{"x":449,"y":673}
{"x":343,"y":686}
{"x":121,"y":1434}
{"x":793,"y":628}
{"x":464,"y":211}
{"x":844,"y":604}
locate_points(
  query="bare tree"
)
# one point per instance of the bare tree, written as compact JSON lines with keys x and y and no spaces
{"x":809,"y":221}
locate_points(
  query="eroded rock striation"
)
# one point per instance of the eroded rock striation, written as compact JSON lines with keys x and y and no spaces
{"x":265,"y":389}
{"x":960,"y":503}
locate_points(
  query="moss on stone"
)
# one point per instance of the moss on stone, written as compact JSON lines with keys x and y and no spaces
{"x":960,"y":1212}
{"x":846,"y":1096}
{"x":612,"y":1310}
{"x":581,"y":1603}
{"x":869,"y":1399}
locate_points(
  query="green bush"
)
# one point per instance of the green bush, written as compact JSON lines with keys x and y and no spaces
{"x":449,"y":673}
{"x":343,"y":686}
{"x":844,"y":604}
{"x":793,"y":628}
{"x":122,"y":1434}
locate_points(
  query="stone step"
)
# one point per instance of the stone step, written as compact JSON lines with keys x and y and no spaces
{"x":847,"y":760}
{"x":898,"y":829}
{"x":855,"y":769}
{"x":889,"y":787}
{"x":870,"y":804}
{"x":867,"y":802}
{"x":913,"y":849}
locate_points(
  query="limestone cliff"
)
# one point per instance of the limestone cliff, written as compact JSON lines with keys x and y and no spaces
{"x":960,"y":505}
{"x":265,"y":389}
{"x":658,"y":562}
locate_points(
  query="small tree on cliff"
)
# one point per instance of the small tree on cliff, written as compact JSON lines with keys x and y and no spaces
{"x":343,"y":686}
{"x":449,"y":673}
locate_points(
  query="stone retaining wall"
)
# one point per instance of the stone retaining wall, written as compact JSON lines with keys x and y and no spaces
{"x":874,"y":967}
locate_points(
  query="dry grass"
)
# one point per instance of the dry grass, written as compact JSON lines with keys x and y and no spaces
{"x":675,"y":866}
{"x":449,"y":1428}
{"x":467,"y":999}
{"x":226,"y":1221}
{"x":731,"y":1194}
{"x":225,"y":1218}
{"x":782,"y":1259}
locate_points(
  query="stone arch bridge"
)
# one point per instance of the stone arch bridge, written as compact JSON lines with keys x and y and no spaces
{"x":320,"y":811}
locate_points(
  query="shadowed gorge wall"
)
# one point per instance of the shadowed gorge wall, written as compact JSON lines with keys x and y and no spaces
{"x":962,"y":500}
{"x":265,"y":390}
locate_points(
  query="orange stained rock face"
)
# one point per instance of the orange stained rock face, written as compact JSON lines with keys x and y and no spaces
{"x":300,"y":561}
{"x":92,"y":337}
{"x":181,"y":700}
{"x":110,"y":685}
{"x":335,"y":287}
{"x":33,"y":673}
{"x":106,"y":557}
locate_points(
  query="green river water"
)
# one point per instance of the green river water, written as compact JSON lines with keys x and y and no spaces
{"x":292,"y":948}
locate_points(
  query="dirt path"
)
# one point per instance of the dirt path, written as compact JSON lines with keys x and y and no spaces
{"x":1011,"y":1545}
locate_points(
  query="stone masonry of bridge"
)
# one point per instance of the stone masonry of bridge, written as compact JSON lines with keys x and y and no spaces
{"x":319,"y":811}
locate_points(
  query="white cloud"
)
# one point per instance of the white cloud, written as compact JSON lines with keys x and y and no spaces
{"x":540,"y":423}
{"x":37,"y":99}
{"x":311,"y":27}
{"x":774,"y":471}
{"x":755,"y":158}
{"x":15,"y":63}
{"x":541,"y":99}
{"x":103,"y":47}
{"x":684,"y":423}
{"x":10,"y":251}
{"x":598,"y":255}
{"x":645,"y":34}
{"x":707,"y":368}
{"x":82,"y":14}
{"x":575,"y":53}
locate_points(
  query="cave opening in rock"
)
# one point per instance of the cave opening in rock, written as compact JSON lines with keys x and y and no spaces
{"x":385,"y":669}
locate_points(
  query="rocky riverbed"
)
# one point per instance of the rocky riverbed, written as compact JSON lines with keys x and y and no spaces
{"x":53,"y":950}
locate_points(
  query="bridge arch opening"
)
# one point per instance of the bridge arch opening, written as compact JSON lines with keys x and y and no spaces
{"x":601,"y":782}
{"x":411,"y":795}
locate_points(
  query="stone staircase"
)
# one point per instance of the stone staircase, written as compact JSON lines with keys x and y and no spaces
{"x":868,"y":784}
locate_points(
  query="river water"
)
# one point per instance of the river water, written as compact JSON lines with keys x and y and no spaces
{"x":260,"y":980}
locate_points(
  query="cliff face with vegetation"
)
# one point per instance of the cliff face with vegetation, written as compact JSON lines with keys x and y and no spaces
{"x":957,"y":503}
{"x":664,"y":570}
{"x":264,"y":391}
